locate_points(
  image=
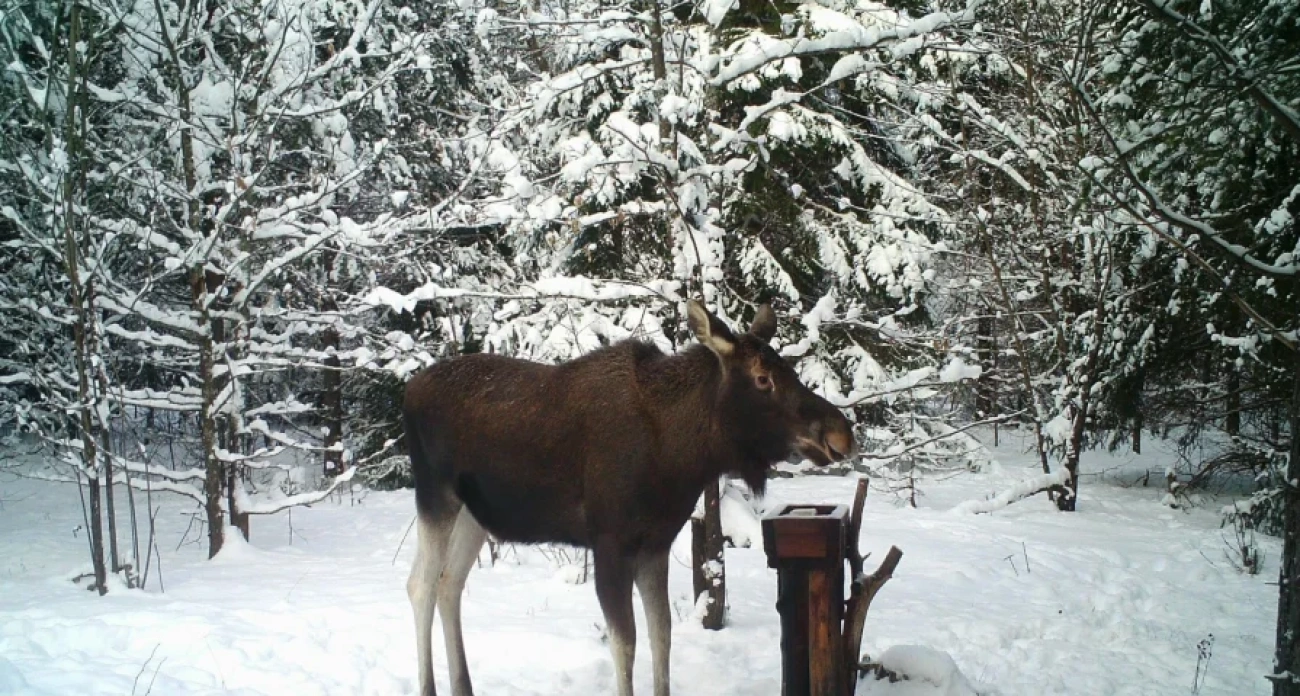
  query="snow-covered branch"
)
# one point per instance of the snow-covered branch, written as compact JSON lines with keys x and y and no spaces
{"x":246,"y":505}
{"x":1245,"y":76}
{"x":760,"y":49}
{"x":573,"y":288}
{"x":1024,"y":489}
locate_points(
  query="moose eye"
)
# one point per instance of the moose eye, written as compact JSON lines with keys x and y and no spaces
{"x":763,"y":382}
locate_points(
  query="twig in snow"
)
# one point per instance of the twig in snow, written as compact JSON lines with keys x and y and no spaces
{"x":220,"y":674}
{"x":158,"y":553}
{"x":188,"y":527}
{"x":154,"y":677}
{"x":1024,"y":549}
{"x":139,"y":674}
{"x":1203,"y":654}
{"x":403,"y":541}
{"x":151,"y":546}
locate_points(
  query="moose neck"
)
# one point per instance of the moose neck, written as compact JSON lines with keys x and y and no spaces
{"x":690,"y":389}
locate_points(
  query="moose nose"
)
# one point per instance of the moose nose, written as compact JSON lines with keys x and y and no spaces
{"x":841,"y":443}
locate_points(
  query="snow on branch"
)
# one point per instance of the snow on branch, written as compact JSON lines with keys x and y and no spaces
{"x":150,"y":337}
{"x":177,"y":399}
{"x":1243,"y":74}
{"x":179,"y":322}
{"x":182,"y":489}
{"x":577,"y":78}
{"x":348,"y":54}
{"x":1123,"y":156}
{"x":16,"y":378}
{"x":850,"y":37}
{"x":120,"y":477}
{"x":135,"y":467}
{"x":572,"y":287}
{"x":1024,"y":489}
{"x":948,"y":433}
{"x":244,"y":504}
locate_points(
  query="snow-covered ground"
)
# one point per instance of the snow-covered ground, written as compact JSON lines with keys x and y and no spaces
{"x":1110,"y":600}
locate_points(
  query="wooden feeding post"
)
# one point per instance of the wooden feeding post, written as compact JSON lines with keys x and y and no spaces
{"x":821,"y":633}
{"x":806,"y":544}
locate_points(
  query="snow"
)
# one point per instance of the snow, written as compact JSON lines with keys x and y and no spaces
{"x":930,"y":673}
{"x":1112,"y":599}
{"x":957,"y":370}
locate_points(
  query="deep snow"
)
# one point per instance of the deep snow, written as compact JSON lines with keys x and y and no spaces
{"x":1110,"y":600}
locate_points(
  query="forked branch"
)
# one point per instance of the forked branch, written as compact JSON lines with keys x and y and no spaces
{"x":863,"y":588}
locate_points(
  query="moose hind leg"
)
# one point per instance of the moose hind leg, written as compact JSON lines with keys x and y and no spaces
{"x":652,"y":583}
{"x":614,"y":590}
{"x":433,"y":533}
{"x":466,"y":542}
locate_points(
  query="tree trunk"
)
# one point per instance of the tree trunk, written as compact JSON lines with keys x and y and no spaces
{"x":80,"y":299}
{"x":708,"y":570}
{"x":214,"y":472}
{"x":238,"y":517}
{"x":1286,"y":659}
{"x":984,"y":348}
{"x":1233,"y":421}
{"x":110,"y":510}
{"x":97,"y":537}
{"x":659,"y":64}
{"x":1136,"y":434}
{"x":713,"y":552}
{"x":201,"y":288}
{"x":232,"y":444}
{"x":332,"y":378}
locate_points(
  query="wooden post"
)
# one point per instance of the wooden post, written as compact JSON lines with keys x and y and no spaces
{"x":806,"y":544}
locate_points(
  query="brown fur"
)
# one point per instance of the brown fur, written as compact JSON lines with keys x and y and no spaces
{"x":610,"y":451}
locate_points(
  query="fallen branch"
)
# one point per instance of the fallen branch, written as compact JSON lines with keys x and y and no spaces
{"x":1054,"y":482}
{"x":864,"y":587}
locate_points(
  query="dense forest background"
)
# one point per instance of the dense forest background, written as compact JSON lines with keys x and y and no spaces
{"x":230,"y":231}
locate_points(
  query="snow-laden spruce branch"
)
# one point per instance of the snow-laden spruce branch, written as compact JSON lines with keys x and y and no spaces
{"x":149,"y":337}
{"x":577,"y":78}
{"x":179,"y":322}
{"x":762,"y":50}
{"x":17,"y":378}
{"x":1245,"y":76}
{"x":1167,"y":214}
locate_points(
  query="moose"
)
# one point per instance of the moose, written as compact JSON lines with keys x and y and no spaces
{"x":609,"y":452}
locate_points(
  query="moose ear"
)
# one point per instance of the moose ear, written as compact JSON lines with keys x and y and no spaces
{"x":764,"y":326}
{"x":709,"y":330}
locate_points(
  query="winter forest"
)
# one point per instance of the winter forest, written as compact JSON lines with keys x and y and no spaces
{"x":1043,"y":254}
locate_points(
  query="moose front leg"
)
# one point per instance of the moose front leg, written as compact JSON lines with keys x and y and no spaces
{"x":652,"y":582}
{"x":614,"y":590}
